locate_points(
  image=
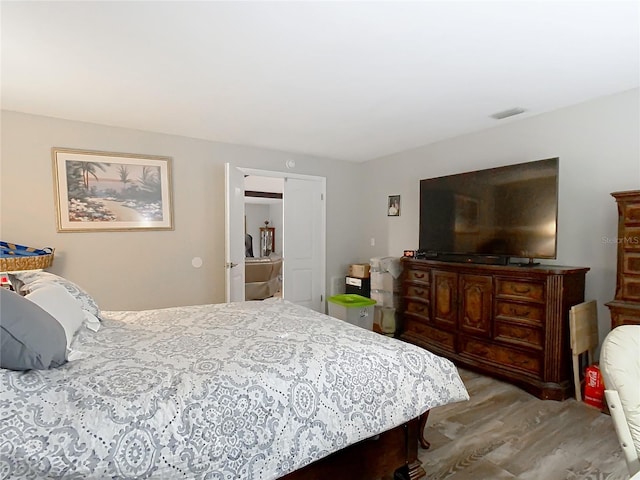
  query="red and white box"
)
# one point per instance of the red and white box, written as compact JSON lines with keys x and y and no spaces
{"x":594,"y":387}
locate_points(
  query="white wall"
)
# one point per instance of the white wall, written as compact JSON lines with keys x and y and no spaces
{"x":598,"y":143}
{"x":256,"y":214}
{"x":137,"y":270}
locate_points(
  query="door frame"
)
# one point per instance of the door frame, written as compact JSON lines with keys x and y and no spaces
{"x":233,"y":249}
{"x":323,"y":226}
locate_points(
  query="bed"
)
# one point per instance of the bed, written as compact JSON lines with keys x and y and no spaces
{"x":250,"y":390}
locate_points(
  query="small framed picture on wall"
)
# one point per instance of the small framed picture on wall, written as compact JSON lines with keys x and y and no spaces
{"x":393,"y":208}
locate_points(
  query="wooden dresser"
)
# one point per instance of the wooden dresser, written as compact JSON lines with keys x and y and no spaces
{"x":625,"y":308}
{"x":508,"y":322}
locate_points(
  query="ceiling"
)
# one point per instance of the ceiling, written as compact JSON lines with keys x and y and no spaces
{"x":343,"y":80}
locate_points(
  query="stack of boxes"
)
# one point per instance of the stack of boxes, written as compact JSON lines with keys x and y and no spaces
{"x":385,"y":290}
{"x":355,"y":305}
{"x":358,"y":281}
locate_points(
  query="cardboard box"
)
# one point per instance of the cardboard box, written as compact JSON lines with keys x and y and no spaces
{"x":359,"y":270}
{"x":384,"y":281}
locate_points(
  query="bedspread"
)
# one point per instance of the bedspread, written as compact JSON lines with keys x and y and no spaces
{"x":250,"y":390}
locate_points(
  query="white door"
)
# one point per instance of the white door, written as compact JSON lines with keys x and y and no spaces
{"x":234,"y":237}
{"x":304,"y":242}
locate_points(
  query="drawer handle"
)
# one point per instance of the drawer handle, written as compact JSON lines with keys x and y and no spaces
{"x":419,"y":292}
{"x":419,"y":308}
{"x":418,"y":275}
{"x":521,"y":289}
{"x":521,"y":312}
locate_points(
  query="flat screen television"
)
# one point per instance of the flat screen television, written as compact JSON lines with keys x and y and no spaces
{"x":491,"y":215}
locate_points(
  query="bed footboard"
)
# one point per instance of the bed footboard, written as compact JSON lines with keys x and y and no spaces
{"x":391,"y":455}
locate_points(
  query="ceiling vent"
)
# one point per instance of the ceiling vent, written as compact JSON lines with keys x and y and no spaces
{"x":508,"y":113}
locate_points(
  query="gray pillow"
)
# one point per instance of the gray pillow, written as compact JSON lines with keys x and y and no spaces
{"x":30,"y":338}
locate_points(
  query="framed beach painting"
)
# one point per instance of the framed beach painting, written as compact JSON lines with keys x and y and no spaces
{"x":105,"y":191}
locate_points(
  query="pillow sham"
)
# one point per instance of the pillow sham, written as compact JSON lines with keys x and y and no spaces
{"x":91,"y":321}
{"x":58,"y":302}
{"x":37,"y":279}
{"x":30,"y":338}
{"x":16,"y":284}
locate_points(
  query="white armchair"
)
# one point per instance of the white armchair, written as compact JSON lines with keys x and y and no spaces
{"x":620,"y":367}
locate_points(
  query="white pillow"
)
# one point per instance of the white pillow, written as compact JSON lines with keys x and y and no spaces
{"x":91,"y":321}
{"x":34,"y":279}
{"x":57,"y":302}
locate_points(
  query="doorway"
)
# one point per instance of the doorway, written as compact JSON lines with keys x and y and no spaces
{"x":263,"y":208}
{"x":303,"y":235}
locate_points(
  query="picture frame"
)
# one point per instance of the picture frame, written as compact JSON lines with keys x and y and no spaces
{"x":108,"y":191}
{"x":393,"y":206}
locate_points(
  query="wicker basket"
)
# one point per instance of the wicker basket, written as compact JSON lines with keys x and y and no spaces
{"x":37,"y":260}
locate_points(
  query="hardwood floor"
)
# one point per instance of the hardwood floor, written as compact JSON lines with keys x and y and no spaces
{"x":505,"y":433}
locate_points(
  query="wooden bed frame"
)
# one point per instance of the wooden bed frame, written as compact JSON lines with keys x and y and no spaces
{"x":391,"y":455}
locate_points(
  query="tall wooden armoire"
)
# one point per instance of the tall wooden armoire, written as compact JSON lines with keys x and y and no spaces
{"x":625,"y":308}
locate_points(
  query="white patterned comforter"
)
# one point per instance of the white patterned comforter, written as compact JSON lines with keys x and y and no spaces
{"x":249,"y":390}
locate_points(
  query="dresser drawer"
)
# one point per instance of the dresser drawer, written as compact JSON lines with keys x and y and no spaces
{"x":630,"y":239}
{"x":509,"y":357}
{"x":631,"y":262}
{"x":520,"y":289}
{"x":429,"y":334}
{"x":631,"y":213}
{"x":518,"y":334}
{"x":413,"y":275}
{"x":624,"y":317}
{"x":631,"y":288}
{"x":528,"y":312}
{"x":420,"y":309}
{"x":417,"y":291}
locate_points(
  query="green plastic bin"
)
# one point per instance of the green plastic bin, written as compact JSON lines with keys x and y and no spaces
{"x":352,"y":308}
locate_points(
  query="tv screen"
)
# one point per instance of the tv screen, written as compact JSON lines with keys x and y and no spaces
{"x":506,"y":211}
